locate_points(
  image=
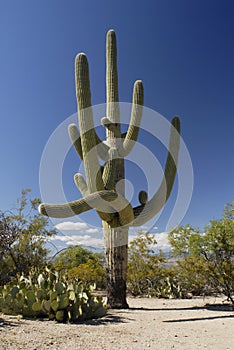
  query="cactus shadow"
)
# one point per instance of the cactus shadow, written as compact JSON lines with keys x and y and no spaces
{"x":220,"y":307}
{"x":192,"y":319}
{"x":5,"y":323}
{"x":166,"y":308}
{"x":107,"y":319}
{"x":211,"y":307}
{"x":229,"y":308}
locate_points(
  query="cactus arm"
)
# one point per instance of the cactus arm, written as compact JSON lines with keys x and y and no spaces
{"x":84,"y":99}
{"x":74,"y":134}
{"x":64,"y":210}
{"x":136,"y":115}
{"x":106,"y":202}
{"x":93,"y":200}
{"x":109,"y":171}
{"x":75,"y":139}
{"x":108,"y":124}
{"x":88,"y":134}
{"x":147,"y":210}
{"x":81,"y":184}
{"x":111,"y":68}
{"x":126,"y":215}
{"x":143,"y":197}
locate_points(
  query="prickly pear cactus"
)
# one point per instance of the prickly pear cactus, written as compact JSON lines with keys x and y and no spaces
{"x":99,"y":189}
{"x":51,"y":297}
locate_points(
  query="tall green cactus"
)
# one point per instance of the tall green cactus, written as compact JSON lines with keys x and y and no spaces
{"x":100,"y":189}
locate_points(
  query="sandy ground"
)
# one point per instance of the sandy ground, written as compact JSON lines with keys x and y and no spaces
{"x":148,"y":324}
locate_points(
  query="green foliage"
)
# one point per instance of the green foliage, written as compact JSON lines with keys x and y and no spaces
{"x":74,"y":256}
{"x":9,"y":233}
{"x":92,"y":272}
{"x":217,"y":247}
{"x":83,"y":265}
{"x":181,"y":240}
{"x":206,"y":261}
{"x":147,"y":274}
{"x":142,"y":264}
{"x":189,"y":269}
{"x":23,"y":234}
{"x":191,"y":275}
{"x":48,"y":295}
{"x":228,"y":212}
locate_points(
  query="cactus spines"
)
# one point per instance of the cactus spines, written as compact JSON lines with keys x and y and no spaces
{"x":103,"y":189}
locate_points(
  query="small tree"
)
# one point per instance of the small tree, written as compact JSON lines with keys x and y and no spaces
{"x":9,"y":232}
{"x":217,"y":247}
{"x":145,"y":272}
{"x":23,"y":233}
{"x":82,"y":264}
{"x":206,"y":261}
{"x":189,"y":266}
{"x":181,"y":240}
{"x":90,"y":273}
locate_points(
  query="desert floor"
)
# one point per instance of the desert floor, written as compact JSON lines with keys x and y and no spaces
{"x":203,"y":323}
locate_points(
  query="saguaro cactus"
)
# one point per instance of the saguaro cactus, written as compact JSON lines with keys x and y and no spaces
{"x":103,"y":188}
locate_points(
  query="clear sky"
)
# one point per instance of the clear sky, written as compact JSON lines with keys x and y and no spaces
{"x":182,"y":50}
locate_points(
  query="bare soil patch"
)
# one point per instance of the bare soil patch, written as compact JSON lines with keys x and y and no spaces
{"x":148,"y":324}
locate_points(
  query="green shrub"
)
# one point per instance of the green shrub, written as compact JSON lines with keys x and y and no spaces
{"x":83,"y":265}
{"x":23,"y":234}
{"x":91,"y":272}
{"x":205,"y":262}
{"x":147,"y":274}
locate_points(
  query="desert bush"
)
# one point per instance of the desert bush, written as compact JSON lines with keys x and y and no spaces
{"x":147,"y":274}
{"x":217,"y":248}
{"x":91,"y":272}
{"x":189,"y":269}
{"x":191,"y":275}
{"x":23,"y":234}
{"x":83,"y":265}
{"x":205,"y":261}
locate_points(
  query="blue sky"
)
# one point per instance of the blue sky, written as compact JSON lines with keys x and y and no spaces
{"x":182,"y":50}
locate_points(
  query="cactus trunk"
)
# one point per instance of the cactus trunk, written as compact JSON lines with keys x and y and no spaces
{"x":116,"y":254}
